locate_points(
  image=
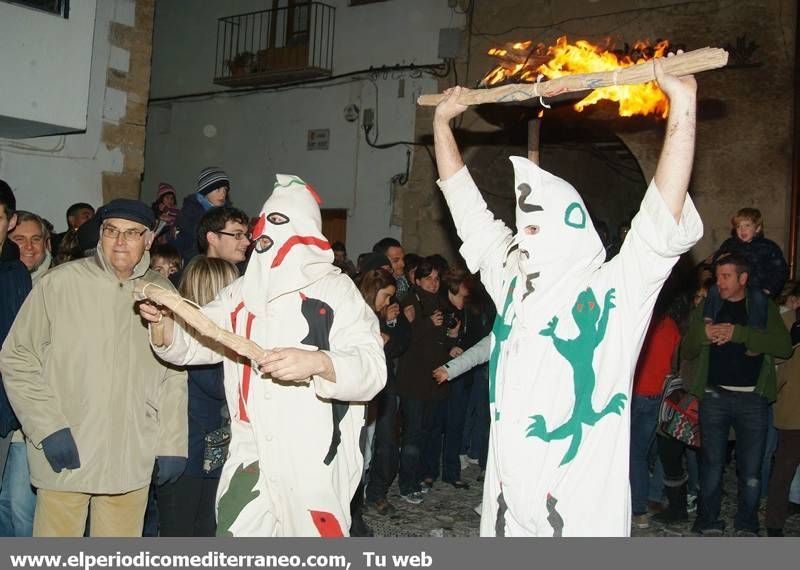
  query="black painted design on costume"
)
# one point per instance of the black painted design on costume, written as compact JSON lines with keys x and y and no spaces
{"x":554,"y":517}
{"x":525,"y":191}
{"x":500,"y":522}
{"x":529,"y":288}
{"x":319,"y":317}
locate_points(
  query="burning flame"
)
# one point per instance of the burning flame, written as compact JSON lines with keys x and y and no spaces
{"x":522,"y":64}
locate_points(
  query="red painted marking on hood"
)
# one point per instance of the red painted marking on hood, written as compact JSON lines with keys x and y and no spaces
{"x":298,"y":240}
{"x":258,"y":229}
{"x":310,"y":188}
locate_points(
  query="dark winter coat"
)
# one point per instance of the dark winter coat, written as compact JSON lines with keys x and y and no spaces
{"x":15,"y":284}
{"x":768,"y":268}
{"x":429,"y":349}
{"x":206,"y":399}
{"x":399,"y":340}
{"x":188,"y":220}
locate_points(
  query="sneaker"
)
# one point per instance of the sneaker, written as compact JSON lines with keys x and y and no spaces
{"x":464,"y":461}
{"x":382,"y":507}
{"x":641,"y":521}
{"x":413,"y":498}
{"x":691,"y":503}
{"x":472,"y":460}
{"x":746,"y":533}
{"x":425,"y":486}
{"x":712,"y":532}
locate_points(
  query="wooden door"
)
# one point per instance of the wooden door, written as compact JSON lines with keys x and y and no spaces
{"x":334,"y":225}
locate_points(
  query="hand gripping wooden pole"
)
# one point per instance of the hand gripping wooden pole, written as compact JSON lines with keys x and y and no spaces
{"x":688,"y":63}
{"x":192,"y":316}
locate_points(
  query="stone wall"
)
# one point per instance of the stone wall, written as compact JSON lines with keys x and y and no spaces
{"x":744,"y":143}
{"x":128,"y":88}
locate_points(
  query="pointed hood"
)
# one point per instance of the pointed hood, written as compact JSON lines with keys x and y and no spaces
{"x":289,"y":251}
{"x":558,"y":246}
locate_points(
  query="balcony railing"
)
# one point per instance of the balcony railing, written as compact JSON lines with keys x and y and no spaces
{"x":275,"y":46}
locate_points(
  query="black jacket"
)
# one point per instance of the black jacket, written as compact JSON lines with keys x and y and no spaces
{"x":15,"y":284}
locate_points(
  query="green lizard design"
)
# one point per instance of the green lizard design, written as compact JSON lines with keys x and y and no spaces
{"x":500,"y":331}
{"x":579,"y":352}
{"x":239,"y":493}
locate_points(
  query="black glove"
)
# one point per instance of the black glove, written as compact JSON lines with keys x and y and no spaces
{"x":170,"y":468}
{"x":60,"y":450}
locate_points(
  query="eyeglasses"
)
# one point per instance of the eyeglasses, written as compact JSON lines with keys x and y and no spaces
{"x":238,"y":236}
{"x":128,"y":235}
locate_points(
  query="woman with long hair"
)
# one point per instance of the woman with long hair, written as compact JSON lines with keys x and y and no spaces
{"x":420,"y":396}
{"x":378,"y":288}
{"x":186,"y":507}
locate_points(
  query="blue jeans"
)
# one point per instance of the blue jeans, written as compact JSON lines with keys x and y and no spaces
{"x":150,"y":526}
{"x":644,"y":417}
{"x":794,"y":490}
{"x":747,"y":413}
{"x":432,"y":451}
{"x":17,"y":497}
{"x":457,"y":402}
{"x":769,"y":452}
{"x":476,"y":425}
{"x":385,"y":455}
{"x":418,"y":418}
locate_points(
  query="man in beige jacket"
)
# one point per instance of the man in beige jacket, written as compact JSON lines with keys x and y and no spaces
{"x":96,"y":405}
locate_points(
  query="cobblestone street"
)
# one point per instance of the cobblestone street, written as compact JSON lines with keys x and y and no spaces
{"x":447,"y":511}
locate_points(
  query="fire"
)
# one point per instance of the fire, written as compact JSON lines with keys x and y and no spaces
{"x":522,"y":64}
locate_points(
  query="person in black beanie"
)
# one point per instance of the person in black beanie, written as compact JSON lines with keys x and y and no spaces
{"x":213,"y":186}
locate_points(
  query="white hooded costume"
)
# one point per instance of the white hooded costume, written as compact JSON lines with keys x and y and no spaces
{"x":564,"y":349}
{"x":294,"y":460}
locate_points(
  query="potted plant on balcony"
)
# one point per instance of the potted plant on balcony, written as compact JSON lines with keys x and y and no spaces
{"x":241,"y":64}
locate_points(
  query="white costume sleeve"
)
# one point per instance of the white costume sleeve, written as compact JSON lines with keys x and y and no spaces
{"x":652,"y":247}
{"x":486,"y":240}
{"x":356,"y":349}
{"x":471,"y":358}
{"x":188,"y":347}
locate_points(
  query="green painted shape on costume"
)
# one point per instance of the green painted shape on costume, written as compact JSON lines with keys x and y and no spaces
{"x":568,"y":216}
{"x":240,"y":492}
{"x":292,"y":180}
{"x":500,"y":331}
{"x":579,"y":352}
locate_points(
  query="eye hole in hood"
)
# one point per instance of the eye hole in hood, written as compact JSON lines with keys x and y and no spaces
{"x":277,"y":219}
{"x":263,"y":243}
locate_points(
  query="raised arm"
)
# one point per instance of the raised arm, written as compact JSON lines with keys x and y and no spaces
{"x":675,"y":163}
{"x":448,"y":157}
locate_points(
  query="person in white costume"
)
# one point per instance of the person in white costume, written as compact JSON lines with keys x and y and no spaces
{"x":294,"y":460}
{"x":569,"y":329}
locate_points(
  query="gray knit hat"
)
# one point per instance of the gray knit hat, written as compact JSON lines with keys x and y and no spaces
{"x":210,"y":179}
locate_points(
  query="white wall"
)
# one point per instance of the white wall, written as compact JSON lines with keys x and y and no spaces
{"x":258,"y":135}
{"x":48,"y":174}
{"x":37,"y":51}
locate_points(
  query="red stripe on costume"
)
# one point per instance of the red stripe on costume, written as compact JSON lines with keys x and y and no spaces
{"x":244,"y":390}
{"x":258,"y":229}
{"x":234,"y":314}
{"x":326,"y":524}
{"x":310,"y":188}
{"x":298,"y":240}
